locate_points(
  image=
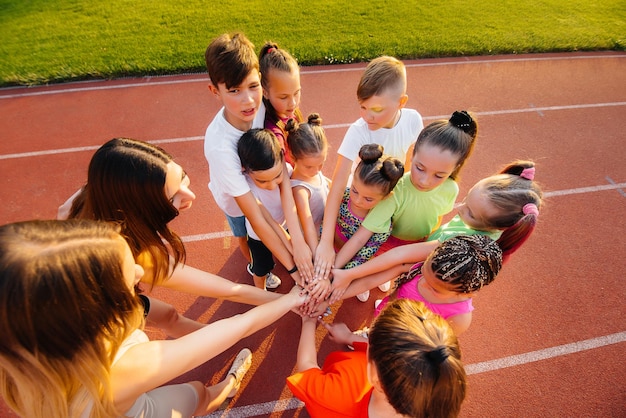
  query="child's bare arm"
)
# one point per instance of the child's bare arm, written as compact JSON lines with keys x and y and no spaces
{"x":354,"y":244}
{"x":307,"y":354}
{"x":302,"y":256}
{"x":252,"y":211}
{"x":325,"y":254}
{"x":301,"y":197}
{"x":410,"y":253}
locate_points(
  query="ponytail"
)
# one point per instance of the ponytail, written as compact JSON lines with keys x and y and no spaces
{"x":518,"y":197}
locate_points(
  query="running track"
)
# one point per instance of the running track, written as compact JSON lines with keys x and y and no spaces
{"x":548,"y":337}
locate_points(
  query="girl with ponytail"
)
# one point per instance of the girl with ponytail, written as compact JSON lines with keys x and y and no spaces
{"x":410,"y":367}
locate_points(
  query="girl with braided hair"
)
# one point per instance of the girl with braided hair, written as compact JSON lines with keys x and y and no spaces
{"x":424,"y":195}
{"x":410,"y":367}
{"x":447,"y":280}
{"x":504,"y":206}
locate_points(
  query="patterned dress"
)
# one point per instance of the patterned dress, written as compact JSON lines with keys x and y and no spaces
{"x":347,"y":225}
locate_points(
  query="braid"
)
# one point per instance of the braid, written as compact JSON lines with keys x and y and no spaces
{"x":467,"y":262}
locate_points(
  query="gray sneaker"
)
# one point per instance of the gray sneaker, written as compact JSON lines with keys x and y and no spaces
{"x":272,"y":281}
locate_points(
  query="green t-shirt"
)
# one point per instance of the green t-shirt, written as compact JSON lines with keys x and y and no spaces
{"x":414,"y":213}
{"x":457,"y":227}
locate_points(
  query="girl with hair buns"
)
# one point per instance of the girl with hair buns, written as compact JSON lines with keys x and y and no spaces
{"x":280,"y":79}
{"x":72,"y":344}
{"x":308,"y":147}
{"x":504,"y":206}
{"x":375,"y":177}
{"x":428,"y":191}
{"x":410,"y":367}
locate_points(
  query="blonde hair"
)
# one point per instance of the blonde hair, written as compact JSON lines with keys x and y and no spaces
{"x":65,"y":309}
{"x":418,"y":360}
{"x":382,"y":75}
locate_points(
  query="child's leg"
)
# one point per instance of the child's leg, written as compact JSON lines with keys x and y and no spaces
{"x":164,"y":316}
{"x":238,"y":227}
{"x":262,"y":265}
{"x":245,"y":250}
{"x":211,"y":397}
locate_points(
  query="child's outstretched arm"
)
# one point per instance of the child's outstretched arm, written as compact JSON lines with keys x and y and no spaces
{"x":341,"y":334}
{"x":307,"y":353}
{"x":301,"y":197}
{"x":252,"y":211}
{"x":403,"y":254}
{"x":325,"y":254}
{"x":198,"y":282}
{"x":354,"y":244}
{"x":302,"y":255}
{"x":369,"y":282}
{"x":151,"y":364}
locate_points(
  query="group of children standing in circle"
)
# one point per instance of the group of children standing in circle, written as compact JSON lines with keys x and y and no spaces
{"x":376,"y":222}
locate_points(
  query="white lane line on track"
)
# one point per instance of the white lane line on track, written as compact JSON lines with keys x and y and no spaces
{"x":591,"y":189}
{"x":203,"y":77}
{"x":342,"y":125}
{"x":546,"y":353}
{"x":483,"y":367}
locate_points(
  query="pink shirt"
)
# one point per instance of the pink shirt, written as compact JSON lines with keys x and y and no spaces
{"x":410,"y":290}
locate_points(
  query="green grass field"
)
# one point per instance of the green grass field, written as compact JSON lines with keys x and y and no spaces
{"x":45,"y":41}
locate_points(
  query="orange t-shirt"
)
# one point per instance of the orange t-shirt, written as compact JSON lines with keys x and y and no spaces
{"x":339,"y":389}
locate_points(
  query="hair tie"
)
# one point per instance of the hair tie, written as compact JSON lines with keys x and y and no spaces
{"x":438,"y":355}
{"x":528,"y":173}
{"x":530,"y":209}
{"x":462,"y":120}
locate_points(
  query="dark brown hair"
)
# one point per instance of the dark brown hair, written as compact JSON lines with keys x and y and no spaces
{"x":259,"y":149}
{"x":308,"y":138}
{"x":229,"y":59}
{"x":457,"y":135}
{"x":377,"y":169}
{"x":126,"y":185}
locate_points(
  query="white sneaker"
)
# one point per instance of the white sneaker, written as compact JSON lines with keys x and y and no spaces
{"x":385,"y":287}
{"x":272,"y":281}
{"x":363,"y":297}
{"x":240,"y":367}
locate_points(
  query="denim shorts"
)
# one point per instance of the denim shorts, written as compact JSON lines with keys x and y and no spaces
{"x":237,"y":225}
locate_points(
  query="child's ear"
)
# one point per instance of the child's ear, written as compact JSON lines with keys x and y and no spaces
{"x":403,"y":99}
{"x":213,"y":90}
{"x":372,"y":376}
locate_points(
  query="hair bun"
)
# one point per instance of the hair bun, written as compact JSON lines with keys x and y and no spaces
{"x":314,"y":119}
{"x":463,"y":121}
{"x":370,"y":153}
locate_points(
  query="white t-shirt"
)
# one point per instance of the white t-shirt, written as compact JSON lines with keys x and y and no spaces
{"x":226,"y":180}
{"x":395,"y":141}
{"x":270,"y":199}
